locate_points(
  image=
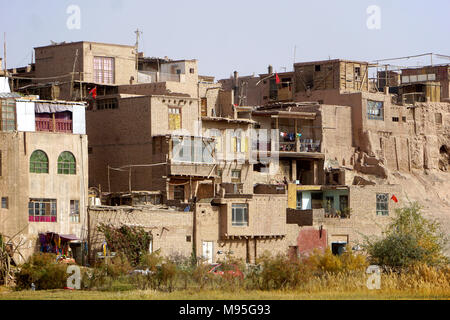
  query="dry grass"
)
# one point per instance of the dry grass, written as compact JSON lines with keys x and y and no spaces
{"x":420,"y":283}
{"x":224,"y":295}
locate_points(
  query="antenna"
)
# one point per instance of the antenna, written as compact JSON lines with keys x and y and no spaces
{"x":138,"y":34}
{"x":4,"y":51}
{"x":295,"y":52}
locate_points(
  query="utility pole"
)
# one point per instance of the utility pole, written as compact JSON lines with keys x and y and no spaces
{"x":138,"y":34}
{"x":73,"y":74}
{"x":4,"y":50}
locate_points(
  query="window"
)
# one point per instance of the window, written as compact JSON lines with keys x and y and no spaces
{"x":178,"y":193}
{"x":191,"y":70}
{"x":395,"y":119}
{"x":42,"y":210}
{"x":38,"y":162}
{"x":235,"y":176}
{"x":74,"y":211}
{"x":174,"y":118}
{"x":375,"y":110}
{"x":329,"y":204}
{"x":238,"y":143}
{"x":239,"y":215}
{"x":404,"y":119}
{"x":382,"y":204}
{"x":107,"y":104}
{"x":299,"y":200}
{"x":357,"y":73}
{"x":5,"y":203}
{"x":317,"y":67}
{"x":438,"y":118}
{"x":66,"y":163}
{"x":188,"y":238}
{"x":7,"y":115}
{"x":343,"y":203}
{"x":103,"y":70}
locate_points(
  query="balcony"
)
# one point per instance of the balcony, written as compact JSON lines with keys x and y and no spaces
{"x":190,"y":169}
{"x":153,"y":76}
{"x":48,"y":125}
{"x":54,"y":122}
{"x":300,"y":145}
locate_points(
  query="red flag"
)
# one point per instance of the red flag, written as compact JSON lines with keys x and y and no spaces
{"x":277,"y":78}
{"x":93,"y":92}
{"x":394,"y":198}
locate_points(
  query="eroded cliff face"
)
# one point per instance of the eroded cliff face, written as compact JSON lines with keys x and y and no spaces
{"x":414,"y":155}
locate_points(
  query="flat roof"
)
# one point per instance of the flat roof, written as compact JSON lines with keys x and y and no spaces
{"x":239,"y":120}
{"x":34,"y":99}
{"x":78,"y":42}
{"x":328,"y":61}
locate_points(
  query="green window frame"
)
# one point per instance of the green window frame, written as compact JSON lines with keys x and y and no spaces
{"x":66,"y":163}
{"x":38,"y":162}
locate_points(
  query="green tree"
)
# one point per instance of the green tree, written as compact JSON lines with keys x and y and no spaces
{"x":409,"y":239}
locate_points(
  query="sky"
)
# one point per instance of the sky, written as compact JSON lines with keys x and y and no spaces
{"x":225,"y":36}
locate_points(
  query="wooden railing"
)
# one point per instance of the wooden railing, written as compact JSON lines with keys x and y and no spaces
{"x":58,"y":125}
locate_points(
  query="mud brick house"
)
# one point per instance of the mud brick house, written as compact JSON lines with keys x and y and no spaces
{"x":43,"y":171}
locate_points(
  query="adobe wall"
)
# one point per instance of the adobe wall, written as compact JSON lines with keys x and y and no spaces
{"x":19,"y":185}
{"x":171,"y":230}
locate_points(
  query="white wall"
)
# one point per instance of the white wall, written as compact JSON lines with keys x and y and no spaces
{"x":306,"y":200}
{"x":79,"y":119}
{"x":25,"y":116}
{"x":4,"y":85}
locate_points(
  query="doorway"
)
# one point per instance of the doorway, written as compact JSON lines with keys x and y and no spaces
{"x":207,"y":252}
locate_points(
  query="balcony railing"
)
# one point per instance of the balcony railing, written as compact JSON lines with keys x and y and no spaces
{"x":59,"y":125}
{"x":302,"y":145}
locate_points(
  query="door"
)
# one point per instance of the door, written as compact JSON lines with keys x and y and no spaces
{"x":208,"y":251}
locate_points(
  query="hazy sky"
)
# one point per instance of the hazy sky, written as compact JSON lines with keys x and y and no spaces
{"x":242,"y":35}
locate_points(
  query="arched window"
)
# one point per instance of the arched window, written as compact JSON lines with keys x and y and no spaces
{"x":66,"y":163}
{"x":39,"y":162}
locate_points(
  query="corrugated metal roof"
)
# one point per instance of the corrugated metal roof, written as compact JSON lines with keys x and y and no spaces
{"x":9,"y":95}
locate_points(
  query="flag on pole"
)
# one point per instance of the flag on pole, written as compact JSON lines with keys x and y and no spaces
{"x":394,"y":198}
{"x":93,"y":92}
{"x":277,"y":78}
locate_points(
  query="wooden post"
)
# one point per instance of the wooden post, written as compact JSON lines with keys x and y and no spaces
{"x":129,"y":179}
{"x":109,"y":182}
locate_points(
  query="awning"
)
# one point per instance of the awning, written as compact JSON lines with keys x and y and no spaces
{"x":69,"y":237}
{"x":43,"y":107}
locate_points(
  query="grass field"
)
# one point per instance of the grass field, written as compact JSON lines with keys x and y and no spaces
{"x":7,"y":294}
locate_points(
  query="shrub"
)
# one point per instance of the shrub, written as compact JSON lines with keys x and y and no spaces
{"x":280,"y":272}
{"x":42,"y":270}
{"x":131,"y":241}
{"x":408,"y":240}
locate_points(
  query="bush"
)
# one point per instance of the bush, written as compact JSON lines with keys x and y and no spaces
{"x":131,"y":241}
{"x":42,"y":270}
{"x":320,"y":262}
{"x":280,"y":272}
{"x":410,"y":239}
